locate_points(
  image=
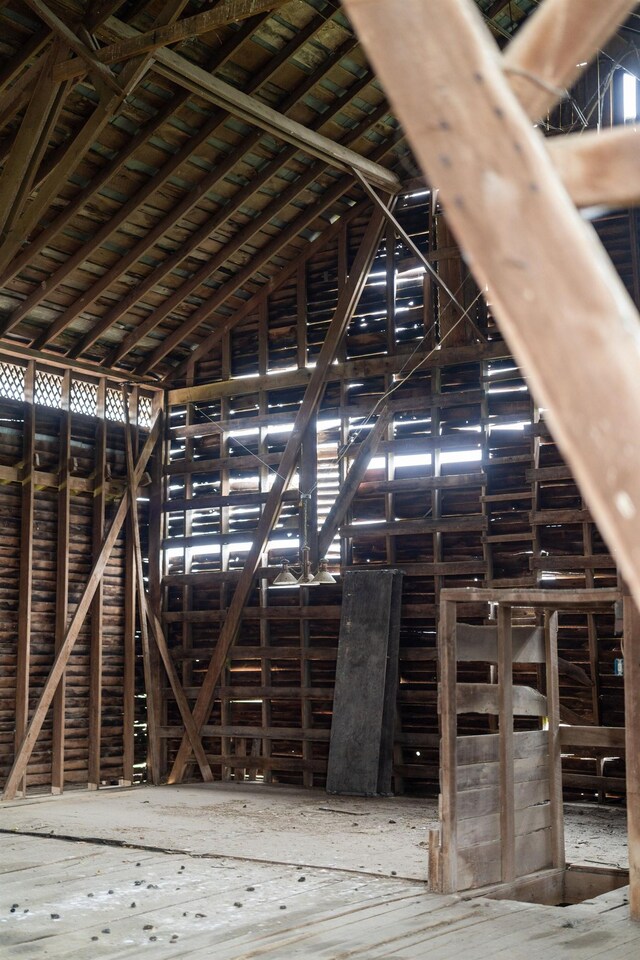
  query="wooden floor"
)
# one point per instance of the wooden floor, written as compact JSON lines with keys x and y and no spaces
{"x":73,"y":898}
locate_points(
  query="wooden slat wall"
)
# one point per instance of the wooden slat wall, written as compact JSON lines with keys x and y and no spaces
{"x":85,"y":476}
{"x":509,"y":516}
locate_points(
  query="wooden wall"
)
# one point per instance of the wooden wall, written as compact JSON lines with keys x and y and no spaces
{"x":62,"y":468}
{"x":466,"y":488}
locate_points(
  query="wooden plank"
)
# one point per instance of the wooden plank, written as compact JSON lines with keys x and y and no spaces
{"x":19,"y":171}
{"x":97,"y":605}
{"x":506,"y":705}
{"x":230,"y":11}
{"x":487,"y":828}
{"x":365,"y":648}
{"x":347,"y":303}
{"x":486,"y":799}
{"x":62,"y":586}
{"x":552,"y":599}
{"x":151,"y":694}
{"x":485,"y":747}
{"x":631,"y":618}
{"x":187,"y":74}
{"x":29,"y":739}
{"x":479,"y":864}
{"x":480,"y":642}
{"x":608,"y":737}
{"x":599,"y":169}
{"x":555,"y":749}
{"x":483,"y":698}
{"x":25,"y":594}
{"x":352,"y":369}
{"x":448,"y":731}
{"x":554,"y":271}
{"x":352,"y":481}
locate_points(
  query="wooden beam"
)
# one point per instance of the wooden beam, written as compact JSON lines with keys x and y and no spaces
{"x":550,"y":51}
{"x":555,"y":747}
{"x":72,"y":154}
{"x":62,"y":585}
{"x":106,"y":172}
{"x":599,"y":169}
{"x":97,"y":605}
{"x":347,"y":303}
{"x":102,"y":73}
{"x":229,"y":11}
{"x":151,"y":694}
{"x":352,"y":481}
{"x":27,"y":513}
{"x":28,"y":740}
{"x":551,"y":285}
{"x":14,"y":67}
{"x":31,"y":142}
{"x":186,"y":74}
{"x":506,"y":745}
{"x":183,"y":208}
{"x":631,"y":618}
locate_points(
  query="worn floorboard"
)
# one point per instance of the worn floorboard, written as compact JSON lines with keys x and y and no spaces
{"x":108,"y":891}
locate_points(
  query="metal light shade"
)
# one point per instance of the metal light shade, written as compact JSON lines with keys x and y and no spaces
{"x":323,"y":575}
{"x":285,"y":577}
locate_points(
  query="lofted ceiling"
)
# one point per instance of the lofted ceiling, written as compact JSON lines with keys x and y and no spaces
{"x":150,"y":190}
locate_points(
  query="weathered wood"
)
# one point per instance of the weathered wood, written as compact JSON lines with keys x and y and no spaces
{"x":229,"y":11}
{"x":599,"y":169}
{"x":608,"y":737}
{"x":506,"y":703}
{"x":554,"y":271}
{"x":151,"y":693}
{"x":25,"y":595}
{"x":62,"y":587}
{"x":360,"y":750}
{"x":102,"y":73}
{"x":346,"y":305}
{"x":97,"y":605}
{"x":632,"y":724}
{"x":187,"y":74}
{"x":27,"y":742}
{"x":448,"y":759}
{"x":484,"y":698}
{"x":555,"y":749}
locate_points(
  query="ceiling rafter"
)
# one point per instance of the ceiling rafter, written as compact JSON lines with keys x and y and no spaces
{"x":183,"y":72}
{"x":227,"y":252}
{"x":110,"y":169}
{"x":228,"y":11}
{"x":203,"y":313}
{"x":190,"y":200}
{"x":76,"y":148}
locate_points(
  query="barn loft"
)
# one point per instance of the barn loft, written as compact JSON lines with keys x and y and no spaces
{"x":319,"y":478}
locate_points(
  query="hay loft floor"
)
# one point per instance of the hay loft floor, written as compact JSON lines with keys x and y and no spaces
{"x":179,"y":870}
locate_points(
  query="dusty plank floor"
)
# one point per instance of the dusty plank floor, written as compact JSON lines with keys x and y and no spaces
{"x":77,"y":898}
{"x":286,"y":825}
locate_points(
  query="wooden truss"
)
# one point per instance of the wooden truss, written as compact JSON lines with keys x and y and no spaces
{"x":560,"y":304}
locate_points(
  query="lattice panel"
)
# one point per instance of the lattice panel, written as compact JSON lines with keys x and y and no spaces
{"x":114,"y":406}
{"x":84,"y":397}
{"x":48,"y":390}
{"x":144,"y":411}
{"x":11,"y":381}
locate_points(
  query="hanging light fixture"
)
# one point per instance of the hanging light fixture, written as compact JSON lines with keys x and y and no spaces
{"x":323,"y":575}
{"x":285,"y":577}
{"x":307,"y":579}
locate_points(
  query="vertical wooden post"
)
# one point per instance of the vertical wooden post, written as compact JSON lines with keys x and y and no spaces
{"x":156,"y":568}
{"x":505,"y":700}
{"x":555,"y":750}
{"x":129,"y":638}
{"x":26,"y":564}
{"x":95,"y":656}
{"x":447,"y":700}
{"x":62,"y":583}
{"x":632,"y":723}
